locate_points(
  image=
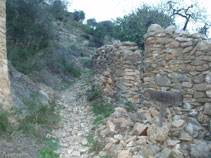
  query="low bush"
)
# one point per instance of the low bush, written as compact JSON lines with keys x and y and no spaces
{"x":48,"y":151}
{"x":5,"y":125}
{"x":94,"y":94}
{"x":101,"y":108}
{"x":23,"y":60}
{"x":39,"y":114}
{"x":96,"y":146}
{"x":70,"y":69}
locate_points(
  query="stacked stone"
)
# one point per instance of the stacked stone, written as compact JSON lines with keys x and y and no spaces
{"x":120,"y":68}
{"x":179,"y":61}
{"x":5,"y":99}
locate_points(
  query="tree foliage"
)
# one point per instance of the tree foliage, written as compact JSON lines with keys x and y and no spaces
{"x":58,"y":9}
{"x":25,"y":26}
{"x":189,"y":16}
{"x":78,"y":15}
{"x":190,"y":12}
{"x":132,"y":27}
{"x":205,"y":29}
{"x":92,"y":22}
{"x":100,"y":30}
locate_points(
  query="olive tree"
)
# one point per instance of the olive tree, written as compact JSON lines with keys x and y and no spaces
{"x":190,"y":12}
{"x":132,"y":27}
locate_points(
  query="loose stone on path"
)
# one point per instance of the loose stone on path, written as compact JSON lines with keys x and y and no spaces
{"x":75,"y":122}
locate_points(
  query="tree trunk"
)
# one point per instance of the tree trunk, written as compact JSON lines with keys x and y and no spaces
{"x":186,"y":22}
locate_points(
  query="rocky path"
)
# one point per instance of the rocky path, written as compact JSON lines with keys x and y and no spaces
{"x":75,"y":122}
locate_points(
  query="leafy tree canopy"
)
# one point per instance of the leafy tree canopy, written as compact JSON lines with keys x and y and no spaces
{"x":132,"y":27}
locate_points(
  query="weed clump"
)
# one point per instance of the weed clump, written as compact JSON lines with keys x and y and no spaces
{"x":101,"y":110}
{"x":51,"y":145}
{"x":94,"y":94}
{"x":44,"y":115}
{"x":99,"y":106}
{"x":5,"y":125}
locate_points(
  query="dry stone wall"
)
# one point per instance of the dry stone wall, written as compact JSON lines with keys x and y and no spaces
{"x":173,"y":61}
{"x":119,"y":70}
{"x":5,"y":98}
{"x":179,"y":61}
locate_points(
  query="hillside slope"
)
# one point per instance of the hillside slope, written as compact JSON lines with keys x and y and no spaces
{"x":38,"y":79}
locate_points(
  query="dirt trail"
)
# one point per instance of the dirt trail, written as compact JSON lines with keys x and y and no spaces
{"x":75,"y":122}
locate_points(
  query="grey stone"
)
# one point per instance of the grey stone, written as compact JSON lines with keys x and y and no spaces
{"x":165,"y":153}
{"x":176,"y":152}
{"x":171,"y":143}
{"x":203,"y":118}
{"x":148,"y":153}
{"x":203,"y":67}
{"x":197,"y":62}
{"x":208,"y":77}
{"x":207,"y":109}
{"x":208,"y":93}
{"x":120,"y":110}
{"x":138,"y":128}
{"x":162,"y":80}
{"x":118,"y":136}
{"x":183,"y":39}
{"x":185,"y":137}
{"x":157,"y":134}
{"x":178,"y":123}
{"x":200,"y":150}
{"x":202,"y":87}
{"x":186,"y":44}
{"x":203,"y":100}
{"x":170,"y":29}
{"x":193,"y":112}
{"x":204,"y":45}
{"x":193,"y":129}
{"x":176,"y":85}
{"x":187,"y":106}
{"x":178,"y":77}
{"x":124,"y":154}
{"x":76,"y":153}
{"x":199,"y":94}
{"x":188,"y":49}
{"x":198,"y":79}
{"x":198,"y":36}
{"x":187,"y":84}
{"x":155,"y":28}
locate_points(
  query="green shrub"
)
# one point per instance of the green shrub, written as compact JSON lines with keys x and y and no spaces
{"x":61,"y":64}
{"x":95,"y":146}
{"x":129,"y":107}
{"x":70,"y":69}
{"x":133,"y":26}
{"x":100,"y":108}
{"x":39,"y":114}
{"x":25,"y":26}
{"x":106,"y":156}
{"x":87,"y":62}
{"x":94,"y":94}
{"x":48,"y":151}
{"x":23,"y":60}
{"x":5,"y":125}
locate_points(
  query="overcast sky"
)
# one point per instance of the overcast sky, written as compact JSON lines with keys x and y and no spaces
{"x":110,"y":9}
{"x":103,"y":10}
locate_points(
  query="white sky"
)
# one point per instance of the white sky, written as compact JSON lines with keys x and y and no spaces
{"x":110,"y":9}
